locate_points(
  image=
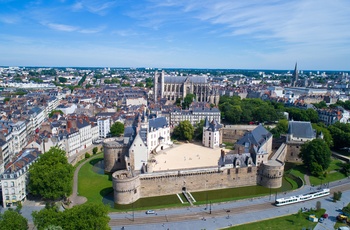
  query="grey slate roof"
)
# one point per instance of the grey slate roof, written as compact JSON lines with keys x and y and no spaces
{"x":256,"y":137}
{"x":301,"y":129}
{"x":158,"y":122}
{"x":180,"y":79}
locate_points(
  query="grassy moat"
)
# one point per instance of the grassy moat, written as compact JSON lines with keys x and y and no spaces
{"x":97,"y":187}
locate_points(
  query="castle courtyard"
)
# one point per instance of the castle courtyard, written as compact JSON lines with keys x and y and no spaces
{"x":186,"y":156}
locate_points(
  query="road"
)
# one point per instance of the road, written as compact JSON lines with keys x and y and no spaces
{"x":240,"y":212}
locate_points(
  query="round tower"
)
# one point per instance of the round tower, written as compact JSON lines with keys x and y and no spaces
{"x":271,"y":176}
{"x":126,"y":187}
{"x":113,"y":152}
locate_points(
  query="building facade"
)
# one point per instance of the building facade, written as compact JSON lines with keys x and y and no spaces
{"x":177,"y":87}
{"x":15,"y":178}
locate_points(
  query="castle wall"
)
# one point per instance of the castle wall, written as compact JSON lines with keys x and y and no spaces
{"x":173,"y":182}
{"x":293,"y":150}
{"x":232,"y":133}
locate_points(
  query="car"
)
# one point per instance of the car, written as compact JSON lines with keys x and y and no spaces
{"x":325,"y":216}
{"x":320,"y":220}
{"x":150,"y":212}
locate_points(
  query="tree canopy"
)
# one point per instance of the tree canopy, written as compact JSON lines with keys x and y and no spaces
{"x":117,"y":129}
{"x":85,"y":216}
{"x":236,"y":111}
{"x":12,"y":220}
{"x":51,"y":176}
{"x":198,"y":132}
{"x":188,"y":101}
{"x":316,"y":156}
{"x":184,"y":131}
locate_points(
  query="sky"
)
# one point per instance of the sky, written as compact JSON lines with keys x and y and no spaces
{"x":230,"y":34}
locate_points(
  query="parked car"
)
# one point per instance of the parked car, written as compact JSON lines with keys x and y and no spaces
{"x":325,"y":215}
{"x":150,"y":212}
{"x":320,"y":220}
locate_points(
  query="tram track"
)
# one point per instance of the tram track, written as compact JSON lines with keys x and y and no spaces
{"x":202,"y":215}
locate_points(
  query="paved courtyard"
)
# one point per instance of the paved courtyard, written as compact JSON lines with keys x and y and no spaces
{"x":185,"y":156}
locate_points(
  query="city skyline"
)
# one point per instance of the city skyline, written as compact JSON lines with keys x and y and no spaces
{"x":176,"y":34}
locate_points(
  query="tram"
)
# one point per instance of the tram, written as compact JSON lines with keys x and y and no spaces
{"x":301,"y":198}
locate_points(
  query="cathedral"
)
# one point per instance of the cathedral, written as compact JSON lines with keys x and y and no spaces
{"x":174,"y":87}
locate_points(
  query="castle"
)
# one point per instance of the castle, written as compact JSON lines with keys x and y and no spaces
{"x":139,"y":170}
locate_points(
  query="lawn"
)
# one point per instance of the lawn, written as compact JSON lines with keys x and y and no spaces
{"x":237,"y":193}
{"x":296,"y":221}
{"x":94,"y":186}
{"x":332,"y":172}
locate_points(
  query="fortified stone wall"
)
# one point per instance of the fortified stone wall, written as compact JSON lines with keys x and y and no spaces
{"x":232,"y":133}
{"x":173,"y":182}
{"x":293,"y":150}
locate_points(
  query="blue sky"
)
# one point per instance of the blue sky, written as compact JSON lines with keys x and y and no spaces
{"x":253,"y":34}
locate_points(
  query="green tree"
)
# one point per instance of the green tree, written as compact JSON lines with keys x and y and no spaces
{"x":188,"y":101}
{"x":281,"y":128}
{"x":316,"y":156}
{"x":12,"y":220}
{"x":139,"y":84}
{"x":54,"y":112}
{"x":149,"y":82}
{"x":51,"y":176}
{"x":62,"y":79}
{"x":85,"y":216}
{"x":117,"y":129}
{"x":184,"y":131}
{"x":94,"y":150}
{"x":198,"y":132}
{"x":327,"y":137}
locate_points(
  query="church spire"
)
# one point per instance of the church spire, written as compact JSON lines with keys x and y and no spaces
{"x":295,"y":75}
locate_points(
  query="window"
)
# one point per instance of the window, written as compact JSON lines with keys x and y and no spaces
{"x":12,"y":184}
{"x":237,"y":170}
{"x":249,"y":169}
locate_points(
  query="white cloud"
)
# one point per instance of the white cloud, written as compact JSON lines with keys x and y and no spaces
{"x":99,"y":7}
{"x":61,"y":27}
{"x":9,"y":19}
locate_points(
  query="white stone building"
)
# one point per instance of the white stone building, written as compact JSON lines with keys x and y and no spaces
{"x":15,"y":178}
{"x":211,"y":134}
{"x":104,"y":127}
{"x":19,"y":133}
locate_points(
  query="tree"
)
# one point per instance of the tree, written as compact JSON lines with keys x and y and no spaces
{"x":12,"y":220}
{"x":117,"y":129}
{"x":94,"y":150}
{"x":139,"y":84}
{"x":281,"y":128}
{"x":51,"y":176}
{"x":337,"y":196}
{"x":85,"y":216}
{"x":316,"y":156}
{"x":184,"y":131}
{"x":327,"y":137}
{"x":62,"y":79}
{"x":188,"y":101}
{"x":318,"y":205}
{"x":198,"y":132}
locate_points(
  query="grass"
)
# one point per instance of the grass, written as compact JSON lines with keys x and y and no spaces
{"x":291,"y":222}
{"x":230,"y":194}
{"x":152,"y":203}
{"x":92,"y":185}
{"x":333,"y":173}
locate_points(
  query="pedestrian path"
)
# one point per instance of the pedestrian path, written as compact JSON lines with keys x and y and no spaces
{"x":307,"y":179}
{"x":75,"y":199}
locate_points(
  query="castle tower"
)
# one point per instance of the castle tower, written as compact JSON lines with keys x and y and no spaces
{"x":155,"y":86}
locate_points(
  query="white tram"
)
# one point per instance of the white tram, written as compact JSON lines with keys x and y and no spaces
{"x":300,"y":198}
